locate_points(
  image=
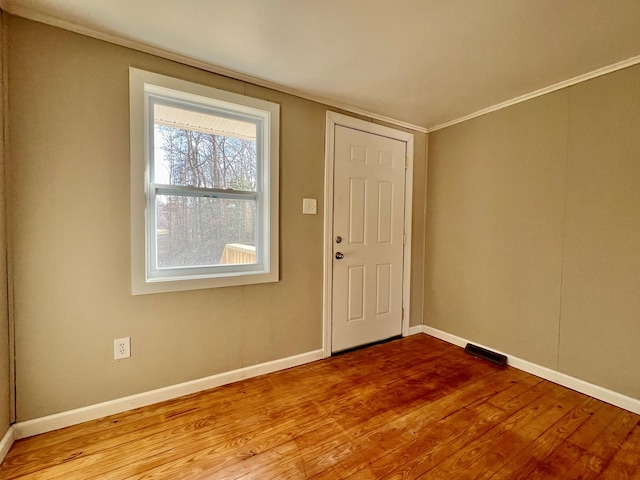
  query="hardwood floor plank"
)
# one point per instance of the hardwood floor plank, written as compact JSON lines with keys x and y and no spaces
{"x":488,"y":453}
{"x":347,"y":411}
{"x":452,"y":434}
{"x":626,"y":463}
{"x":558,"y":463}
{"x":411,"y":408}
{"x":477,"y":418}
{"x":528,"y":460}
{"x":607,"y":444}
{"x":587,"y":467}
{"x":570,"y":454}
{"x":585,"y":436}
{"x":405,"y":429}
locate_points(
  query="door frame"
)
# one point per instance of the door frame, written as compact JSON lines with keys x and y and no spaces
{"x":334,"y":119}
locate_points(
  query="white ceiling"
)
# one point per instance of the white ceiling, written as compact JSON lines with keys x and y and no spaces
{"x":423,"y":62}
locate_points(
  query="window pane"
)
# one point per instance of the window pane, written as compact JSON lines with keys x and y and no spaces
{"x":204,"y":150}
{"x":202,"y":231}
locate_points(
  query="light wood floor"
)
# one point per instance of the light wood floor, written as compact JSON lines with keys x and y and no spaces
{"x":411,"y":408}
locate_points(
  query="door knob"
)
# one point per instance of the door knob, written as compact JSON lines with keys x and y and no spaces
{"x":339,"y":255}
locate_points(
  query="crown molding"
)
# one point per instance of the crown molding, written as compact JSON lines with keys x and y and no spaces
{"x":543,"y":91}
{"x":34,"y":15}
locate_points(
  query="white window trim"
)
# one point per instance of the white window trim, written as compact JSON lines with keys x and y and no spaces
{"x":141,"y":82}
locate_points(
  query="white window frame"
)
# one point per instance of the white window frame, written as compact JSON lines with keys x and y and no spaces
{"x":145,"y":278}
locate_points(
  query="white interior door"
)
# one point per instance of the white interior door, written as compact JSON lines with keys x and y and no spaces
{"x":368,"y":231}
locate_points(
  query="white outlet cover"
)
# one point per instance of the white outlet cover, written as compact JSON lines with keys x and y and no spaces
{"x":121,"y":348}
{"x":309,"y":206}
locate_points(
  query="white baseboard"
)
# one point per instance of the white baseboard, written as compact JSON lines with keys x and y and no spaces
{"x":6,"y":442}
{"x":92,"y":412}
{"x":119,"y":405}
{"x":417,"y":329}
{"x":609,"y":396}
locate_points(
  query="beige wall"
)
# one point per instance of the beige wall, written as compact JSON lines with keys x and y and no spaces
{"x":69,"y":204}
{"x":533,"y":231}
{"x":600,"y":327}
{"x":5,"y":378}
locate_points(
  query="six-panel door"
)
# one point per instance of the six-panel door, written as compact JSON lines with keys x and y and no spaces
{"x":369,"y":176}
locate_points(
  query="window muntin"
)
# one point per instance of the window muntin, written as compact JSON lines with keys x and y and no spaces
{"x":210,"y":183}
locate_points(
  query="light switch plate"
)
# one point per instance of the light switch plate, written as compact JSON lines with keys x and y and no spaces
{"x":309,"y":206}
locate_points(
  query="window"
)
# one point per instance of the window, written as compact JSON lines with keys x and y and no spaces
{"x":204,"y":186}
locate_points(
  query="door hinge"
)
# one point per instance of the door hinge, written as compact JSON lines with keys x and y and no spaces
{"x":402,"y":314}
{"x":406,"y":163}
{"x":404,"y":239}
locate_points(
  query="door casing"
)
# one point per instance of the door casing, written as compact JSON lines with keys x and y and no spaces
{"x":332,"y":120}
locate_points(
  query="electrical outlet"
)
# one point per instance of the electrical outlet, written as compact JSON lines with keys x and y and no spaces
{"x":309,"y":206}
{"x":121,"y":348}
